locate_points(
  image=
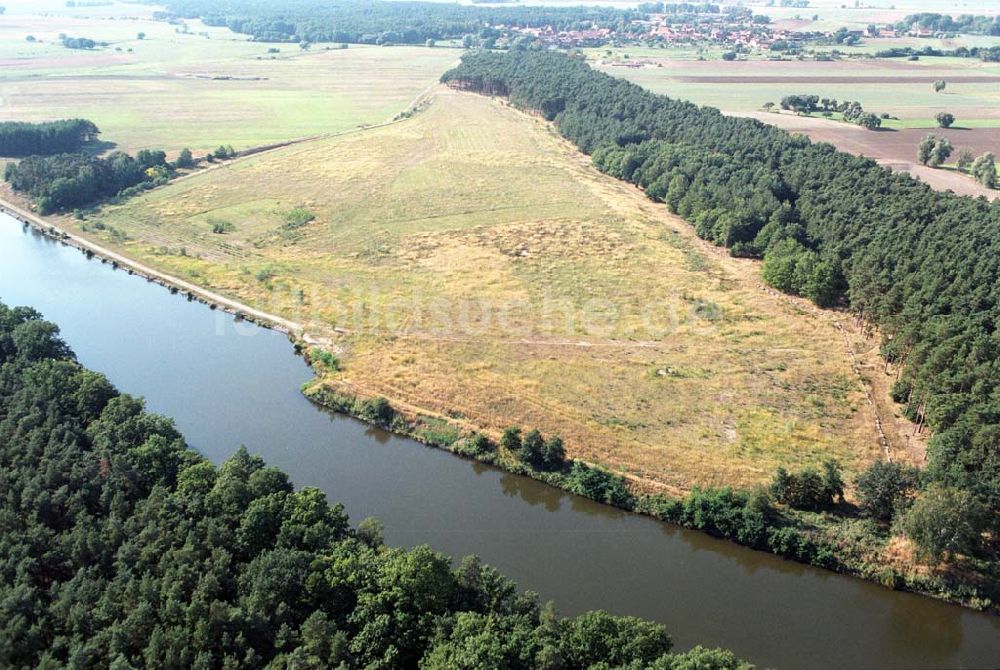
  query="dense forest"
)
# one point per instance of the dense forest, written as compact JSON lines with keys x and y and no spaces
{"x":377,"y":21}
{"x":123,"y":548}
{"x":68,"y":181}
{"x":19,"y":139}
{"x":923,"y":266}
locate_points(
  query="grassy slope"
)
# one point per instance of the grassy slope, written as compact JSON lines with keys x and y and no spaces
{"x":163,"y":94}
{"x":703,"y":378}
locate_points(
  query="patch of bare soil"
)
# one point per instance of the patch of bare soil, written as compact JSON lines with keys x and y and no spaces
{"x":896,"y":149}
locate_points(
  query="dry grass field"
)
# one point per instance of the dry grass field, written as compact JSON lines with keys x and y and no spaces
{"x":477,"y":267}
{"x":197,"y":89}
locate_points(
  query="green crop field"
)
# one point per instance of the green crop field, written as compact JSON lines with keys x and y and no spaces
{"x":897,"y":87}
{"x":479,"y":268}
{"x":202,"y":88}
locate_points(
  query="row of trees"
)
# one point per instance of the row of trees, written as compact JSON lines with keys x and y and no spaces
{"x":19,"y":139}
{"x":988,"y":54}
{"x":379,"y":21}
{"x":69,"y":181}
{"x":852,"y":112}
{"x":123,"y":548}
{"x":968,"y":24}
{"x":923,"y":265}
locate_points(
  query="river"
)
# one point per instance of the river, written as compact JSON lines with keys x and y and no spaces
{"x":229,"y":383}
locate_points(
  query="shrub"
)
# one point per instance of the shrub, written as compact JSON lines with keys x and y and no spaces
{"x":883,"y":488}
{"x":377,"y":411}
{"x":944,"y":521}
{"x":324,"y":358}
{"x":554,"y":453}
{"x":221,"y":227}
{"x":808,"y":490}
{"x":530,"y":452}
{"x":599,"y":485}
{"x":480,"y":444}
{"x":298,"y":217}
{"x":511,"y":439}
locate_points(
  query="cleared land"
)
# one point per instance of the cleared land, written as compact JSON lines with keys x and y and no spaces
{"x":833,"y":14}
{"x":897,"y":87}
{"x":897,"y":148}
{"x":479,"y":268}
{"x":199,"y":89}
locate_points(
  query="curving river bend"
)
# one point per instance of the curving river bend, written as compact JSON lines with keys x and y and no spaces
{"x":229,"y":383}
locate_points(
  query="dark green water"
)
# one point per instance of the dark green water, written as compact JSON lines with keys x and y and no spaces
{"x":229,"y":383}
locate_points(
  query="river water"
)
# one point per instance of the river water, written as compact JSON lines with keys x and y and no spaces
{"x":228,"y":383}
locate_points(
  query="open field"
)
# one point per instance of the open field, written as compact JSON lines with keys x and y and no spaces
{"x":833,"y":14}
{"x":897,"y":148}
{"x":479,"y":268}
{"x":897,"y":87}
{"x":199,"y":90}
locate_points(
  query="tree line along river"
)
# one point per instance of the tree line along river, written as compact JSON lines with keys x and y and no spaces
{"x":229,"y":383}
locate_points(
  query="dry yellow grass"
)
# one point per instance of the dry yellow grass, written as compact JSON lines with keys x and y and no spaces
{"x":479,"y":267}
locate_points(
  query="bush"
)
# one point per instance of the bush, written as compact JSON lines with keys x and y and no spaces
{"x":808,"y":490}
{"x":726,"y":513}
{"x":511,"y":439}
{"x":298,"y":217}
{"x":224,"y":152}
{"x":221,"y":227}
{"x":324,"y":358}
{"x":884,"y":488}
{"x":185,"y":159}
{"x":944,"y":521}
{"x":480,"y":444}
{"x":599,"y":485}
{"x":530,"y":452}
{"x":377,"y":411}
{"x":554,"y":453}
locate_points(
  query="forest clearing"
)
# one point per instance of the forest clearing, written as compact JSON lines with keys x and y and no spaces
{"x":697,"y":377}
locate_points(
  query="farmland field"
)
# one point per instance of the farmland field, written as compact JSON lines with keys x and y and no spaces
{"x":897,"y":148}
{"x":900,"y":88}
{"x":199,"y":89}
{"x":897,"y":87}
{"x":477,"y":267}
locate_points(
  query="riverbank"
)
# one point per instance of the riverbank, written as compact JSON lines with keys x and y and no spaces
{"x":849,"y":546}
{"x":229,"y":385}
{"x":824,"y":540}
{"x":175,"y":284}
